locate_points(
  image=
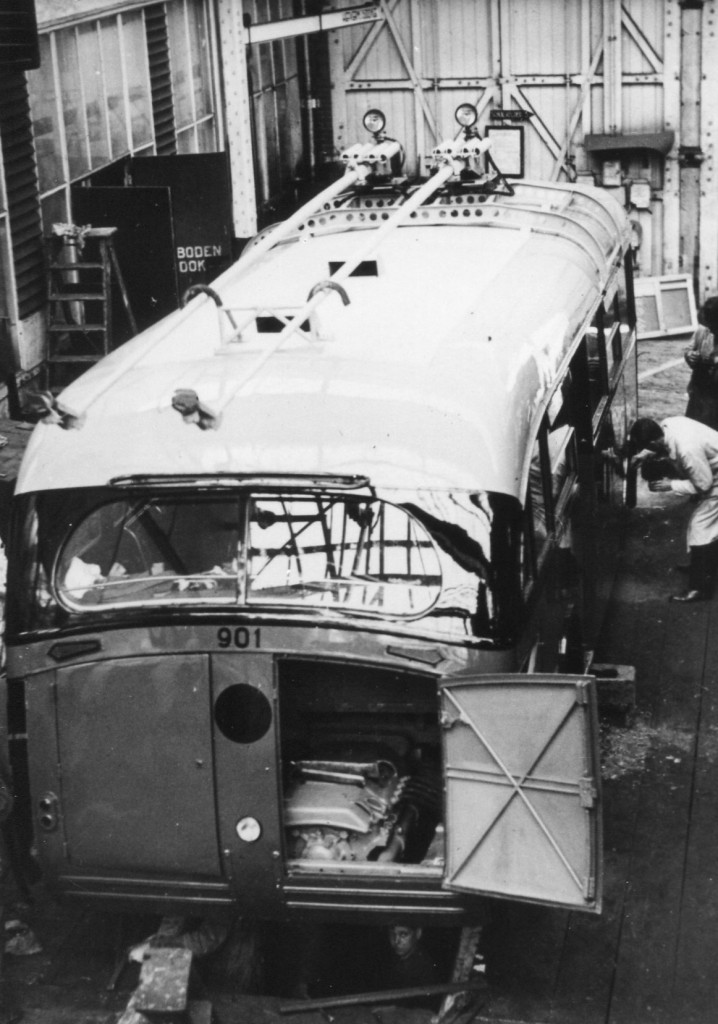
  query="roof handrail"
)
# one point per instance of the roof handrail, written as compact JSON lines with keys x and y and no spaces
{"x":355,"y":172}
{"x":445,"y":171}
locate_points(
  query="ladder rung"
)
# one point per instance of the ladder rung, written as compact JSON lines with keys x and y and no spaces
{"x":73,"y":296}
{"x":90,"y":265}
{"x":75,"y":359}
{"x":64,"y":328}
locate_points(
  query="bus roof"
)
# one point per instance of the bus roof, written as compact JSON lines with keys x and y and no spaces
{"x":431,"y":376}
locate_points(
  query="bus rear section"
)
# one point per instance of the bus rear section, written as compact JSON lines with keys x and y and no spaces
{"x":292,"y":572}
{"x":266,"y":700}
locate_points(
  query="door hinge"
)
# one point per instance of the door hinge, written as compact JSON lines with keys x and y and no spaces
{"x":690,"y":156}
{"x":582,"y":693}
{"x":589,"y":888}
{"x":587,"y":792}
{"x":449,"y":718}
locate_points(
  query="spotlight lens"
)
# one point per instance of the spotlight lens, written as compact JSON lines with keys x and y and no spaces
{"x":466,"y":115}
{"x":374,"y":121}
{"x":248,"y":829}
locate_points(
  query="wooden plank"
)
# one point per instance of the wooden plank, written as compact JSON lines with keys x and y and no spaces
{"x":672,"y":120}
{"x":668,"y":672}
{"x":606,"y":967}
{"x":695,"y":980}
{"x":708,"y":235}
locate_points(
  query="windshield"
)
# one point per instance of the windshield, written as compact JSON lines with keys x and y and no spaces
{"x":96,"y":553}
{"x":352,"y":553}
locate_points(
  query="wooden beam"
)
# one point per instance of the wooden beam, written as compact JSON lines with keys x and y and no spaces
{"x":708,"y":240}
{"x":238,"y":119}
{"x":365,"y":46}
{"x":637,"y":35}
{"x":612,"y":120}
{"x":578,"y":112}
{"x":671,"y":120}
{"x":286,"y":28}
{"x":419,"y":96}
{"x":682,"y":91}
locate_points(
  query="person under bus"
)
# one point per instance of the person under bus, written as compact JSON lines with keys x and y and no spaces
{"x":691,"y":449}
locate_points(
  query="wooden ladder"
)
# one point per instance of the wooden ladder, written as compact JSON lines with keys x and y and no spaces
{"x":80,"y":279}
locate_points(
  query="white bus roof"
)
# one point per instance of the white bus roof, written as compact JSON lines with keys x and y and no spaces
{"x":432,"y":376}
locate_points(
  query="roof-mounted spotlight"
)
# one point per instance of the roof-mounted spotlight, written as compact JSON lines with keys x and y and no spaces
{"x":374,"y":121}
{"x":467,"y":115}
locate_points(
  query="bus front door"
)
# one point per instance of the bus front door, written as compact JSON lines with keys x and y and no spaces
{"x":121,"y":768}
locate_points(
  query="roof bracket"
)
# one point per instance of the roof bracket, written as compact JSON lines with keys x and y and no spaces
{"x":192,"y":410}
{"x":323,"y":286}
{"x":45,"y":405}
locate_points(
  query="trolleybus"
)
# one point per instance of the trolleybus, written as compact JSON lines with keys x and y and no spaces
{"x":304,"y":579}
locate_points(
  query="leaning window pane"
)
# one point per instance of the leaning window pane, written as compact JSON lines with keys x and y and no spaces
{"x":45,"y":120}
{"x":205,"y":137}
{"x":54,"y":210}
{"x":91,"y":65}
{"x":199,"y":53}
{"x":138,"y":85}
{"x":180,"y":64}
{"x":73,"y":109}
{"x":112,"y":61}
{"x":186,"y":141}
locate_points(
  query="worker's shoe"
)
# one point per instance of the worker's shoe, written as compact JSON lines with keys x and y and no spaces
{"x":683,"y":567}
{"x":690,"y":597}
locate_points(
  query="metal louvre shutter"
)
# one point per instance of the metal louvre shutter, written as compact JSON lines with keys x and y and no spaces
{"x":22,"y":191}
{"x":18,"y":35}
{"x":160,"y":80}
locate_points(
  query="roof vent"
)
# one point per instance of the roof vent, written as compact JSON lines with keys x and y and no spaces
{"x":273,"y":325}
{"x":367,"y":268}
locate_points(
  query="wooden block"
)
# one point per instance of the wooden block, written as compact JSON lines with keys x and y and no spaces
{"x":163,"y":981}
{"x":199,"y":1011}
{"x":615,"y":688}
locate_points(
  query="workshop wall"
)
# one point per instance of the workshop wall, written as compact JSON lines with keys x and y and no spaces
{"x":621,"y":94}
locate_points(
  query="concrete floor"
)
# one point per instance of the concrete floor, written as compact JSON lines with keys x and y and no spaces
{"x":650,"y":957}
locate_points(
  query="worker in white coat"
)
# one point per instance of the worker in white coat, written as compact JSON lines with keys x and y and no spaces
{"x":692,"y":450}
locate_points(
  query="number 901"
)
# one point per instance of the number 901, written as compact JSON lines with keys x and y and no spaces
{"x":240,"y":637}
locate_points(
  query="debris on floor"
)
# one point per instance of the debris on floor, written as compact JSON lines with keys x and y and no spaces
{"x":20,"y":940}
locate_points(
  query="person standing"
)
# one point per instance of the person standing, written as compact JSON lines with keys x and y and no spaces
{"x":692,"y":449}
{"x":702,"y":357}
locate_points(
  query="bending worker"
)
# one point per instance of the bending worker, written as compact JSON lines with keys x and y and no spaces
{"x":692,"y":449}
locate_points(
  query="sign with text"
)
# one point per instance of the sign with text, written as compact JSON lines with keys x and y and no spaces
{"x":510,"y":115}
{"x":201,"y":211}
{"x":507,"y":149}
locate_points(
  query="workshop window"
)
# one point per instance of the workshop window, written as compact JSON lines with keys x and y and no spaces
{"x":91,"y":97}
{"x":277,"y":88}
{"x":90,"y":102}
{"x":191,"y":76}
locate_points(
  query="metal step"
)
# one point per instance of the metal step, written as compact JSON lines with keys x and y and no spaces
{"x":67,"y":267}
{"x":75,"y":359}
{"x":83,"y":328}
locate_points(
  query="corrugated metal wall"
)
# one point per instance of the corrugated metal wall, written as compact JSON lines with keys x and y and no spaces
{"x":581,"y":67}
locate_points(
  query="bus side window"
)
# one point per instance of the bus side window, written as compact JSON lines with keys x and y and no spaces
{"x":605,"y":344}
{"x":536,"y":520}
{"x":597,"y":365}
{"x":552,"y":477}
{"x":564,"y":462}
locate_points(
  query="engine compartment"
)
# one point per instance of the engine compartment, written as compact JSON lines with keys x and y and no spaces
{"x":361,"y":759}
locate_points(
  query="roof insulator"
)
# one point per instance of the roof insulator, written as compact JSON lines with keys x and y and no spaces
{"x":188,"y":405}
